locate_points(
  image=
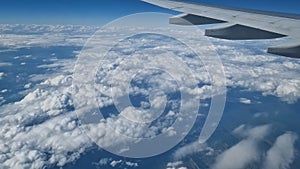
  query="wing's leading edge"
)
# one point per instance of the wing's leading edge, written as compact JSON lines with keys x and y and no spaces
{"x":239,"y":24}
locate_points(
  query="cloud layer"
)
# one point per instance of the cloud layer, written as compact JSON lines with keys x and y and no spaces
{"x":42,"y":129}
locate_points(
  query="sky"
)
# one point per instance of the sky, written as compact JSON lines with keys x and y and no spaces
{"x":99,"y":12}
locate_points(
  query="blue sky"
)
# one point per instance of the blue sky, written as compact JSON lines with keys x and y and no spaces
{"x":99,"y":12}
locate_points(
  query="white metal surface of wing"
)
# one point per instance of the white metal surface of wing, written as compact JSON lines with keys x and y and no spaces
{"x":238,"y":24}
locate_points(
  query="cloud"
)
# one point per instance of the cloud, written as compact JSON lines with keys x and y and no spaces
{"x":260,"y":114}
{"x":131,"y":164}
{"x":2,"y":100}
{"x":258,"y":132}
{"x":5,"y":64}
{"x":191,"y":148}
{"x":240,"y":130}
{"x":27,"y":86}
{"x":279,"y":156}
{"x":104,"y":161}
{"x":282,"y":153}
{"x":115,"y":163}
{"x":32,"y":29}
{"x":18,"y":36}
{"x":245,"y":101}
{"x":175,"y":165}
{"x":42,"y":129}
{"x":44,"y":124}
{"x":1,"y":75}
{"x":256,"y":71}
{"x":238,"y":156}
{"x":245,"y":152}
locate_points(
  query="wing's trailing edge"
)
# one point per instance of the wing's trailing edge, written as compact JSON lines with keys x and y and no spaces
{"x":239,"y":24}
{"x":240,"y":32}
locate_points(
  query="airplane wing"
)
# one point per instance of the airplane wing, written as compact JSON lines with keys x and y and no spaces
{"x":239,"y":24}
